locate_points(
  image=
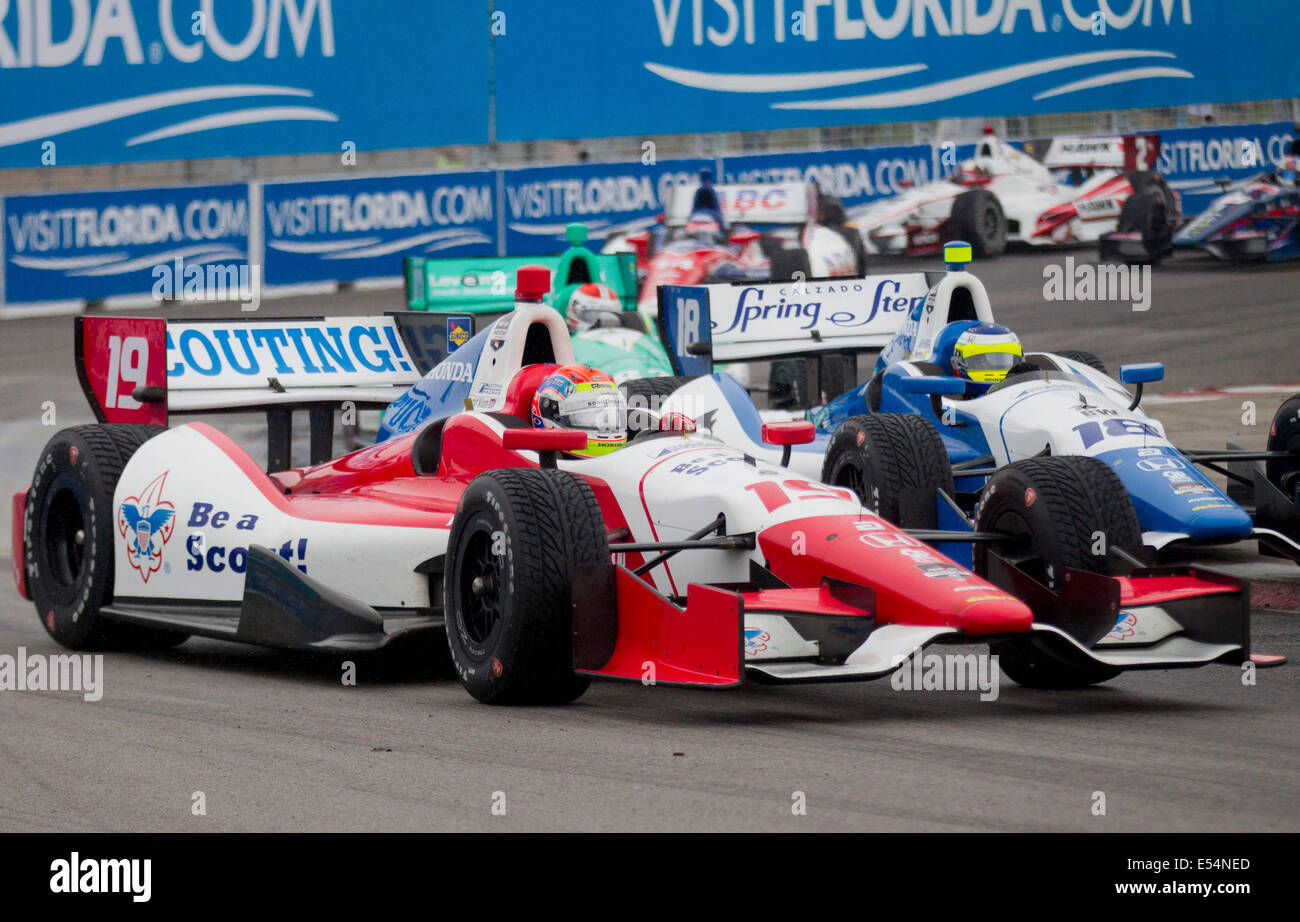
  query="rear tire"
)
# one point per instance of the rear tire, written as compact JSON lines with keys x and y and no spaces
{"x":1084,"y":358}
{"x":1058,"y":505}
{"x":1284,"y":435}
{"x":517,"y":536}
{"x":895,"y":463}
{"x":977,"y":218}
{"x":69,"y":538}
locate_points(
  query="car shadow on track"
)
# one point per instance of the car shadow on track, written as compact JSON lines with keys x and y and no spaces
{"x":405,"y":663}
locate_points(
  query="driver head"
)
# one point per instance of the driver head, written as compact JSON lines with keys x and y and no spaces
{"x":579,"y":397}
{"x":984,"y":353}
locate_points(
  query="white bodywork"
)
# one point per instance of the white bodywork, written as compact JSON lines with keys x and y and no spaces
{"x":1025,"y":188}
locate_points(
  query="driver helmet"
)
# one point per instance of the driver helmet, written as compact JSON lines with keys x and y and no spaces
{"x":985,"y":353}
{"x":593,"y":305}
{"x":578,"y":397}
{"x":704,"y":224}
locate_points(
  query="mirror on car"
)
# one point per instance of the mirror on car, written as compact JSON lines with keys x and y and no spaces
{"x":1142,"y":373}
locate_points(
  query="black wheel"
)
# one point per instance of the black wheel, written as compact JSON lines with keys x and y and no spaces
{"x":790,"y":265}
{"x":1084,"y":358}
{"x":1284,"y":435}
{"x":977,"y":218}
{"x":648,"y":394}
{"x":1146,"y":212}
{"x":895,"y":462}
{"x":68,"y":533}
{"x":515,"y":540}
{"x":1063,"y":509}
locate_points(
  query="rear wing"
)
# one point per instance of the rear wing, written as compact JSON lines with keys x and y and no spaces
{"x":703,"y":324}
{"x":486,"y":285}
{"x":145,"y":370}
{"x":749,"y":203}
{"x":1085,"y":152}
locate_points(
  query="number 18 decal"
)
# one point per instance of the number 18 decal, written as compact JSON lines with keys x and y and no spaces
{"x":1095,"y":431}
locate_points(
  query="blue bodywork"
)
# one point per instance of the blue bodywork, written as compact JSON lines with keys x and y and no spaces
{"x":1254,"y":220}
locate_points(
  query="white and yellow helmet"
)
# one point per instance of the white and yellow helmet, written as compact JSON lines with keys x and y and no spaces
{"x":985,"y":353}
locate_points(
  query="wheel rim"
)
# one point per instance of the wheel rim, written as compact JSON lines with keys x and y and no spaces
{"x":480,"y":584}
{"x":990,"y":224}
{"x":65,"y":533}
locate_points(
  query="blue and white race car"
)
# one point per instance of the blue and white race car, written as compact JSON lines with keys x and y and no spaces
{"x":1254,"y":220}
{"x":929,"y":449}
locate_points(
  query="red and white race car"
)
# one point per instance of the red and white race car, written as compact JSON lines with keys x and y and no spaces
{"x":743,"y":232}
{"x":1078,"y":192}
{"x":673,"y":560}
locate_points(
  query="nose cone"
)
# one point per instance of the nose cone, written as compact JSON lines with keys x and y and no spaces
{"x":994,"y":612}
{"x":1219,"y":520}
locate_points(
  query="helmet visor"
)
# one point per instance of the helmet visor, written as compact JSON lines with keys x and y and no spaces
{"x":988,"y":363}
{"x":597,"y":410}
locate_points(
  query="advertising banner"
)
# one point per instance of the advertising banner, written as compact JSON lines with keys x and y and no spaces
{"x":856,"y":176}
{"x":733,"y":65}
{"x":185,"y":243}
{"x":346,"y":229}
{"x":113,"y":81}
{"x":610,"y":198}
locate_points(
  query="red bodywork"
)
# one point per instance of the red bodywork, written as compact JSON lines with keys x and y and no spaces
{"x":675,"y":266}
{"x":17,"y":545}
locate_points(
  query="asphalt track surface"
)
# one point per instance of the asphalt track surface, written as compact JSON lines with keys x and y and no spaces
{"x":276,"y":742}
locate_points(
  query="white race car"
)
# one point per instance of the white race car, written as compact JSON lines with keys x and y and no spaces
{"x":1079,"y":192}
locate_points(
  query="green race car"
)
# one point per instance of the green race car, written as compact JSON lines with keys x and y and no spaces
{"x":597,"y":293}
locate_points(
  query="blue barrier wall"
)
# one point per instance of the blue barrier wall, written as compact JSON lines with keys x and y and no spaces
{"x":857,"y":175}
{"x":722,"y":65}
{"x":608,"y":197}
{"x":107,"y":81}
{"x":89,"y":245}
{"x":342,"y":229}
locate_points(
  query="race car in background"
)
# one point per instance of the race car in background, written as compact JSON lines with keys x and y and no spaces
{"x":1079,"y":192}
{"x":1257,"y":219}
{"x":742,"y":233}
{"x":618,"y":339}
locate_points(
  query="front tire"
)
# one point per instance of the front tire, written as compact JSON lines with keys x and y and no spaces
{"x":1058,"y":507}
{"x":896,"y":464}
{"x":517,"y":536}
{"x":68,"y":535}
